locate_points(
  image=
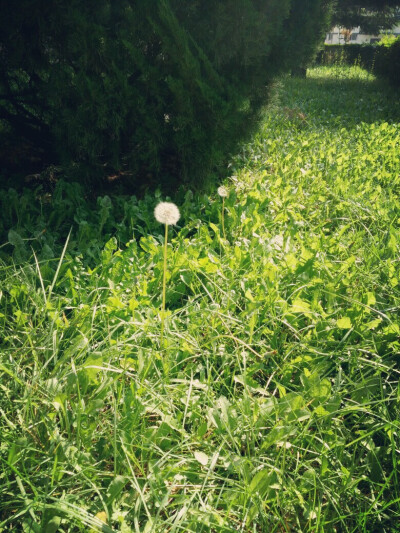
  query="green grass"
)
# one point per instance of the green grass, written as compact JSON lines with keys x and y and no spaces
{"x":273,"y":402}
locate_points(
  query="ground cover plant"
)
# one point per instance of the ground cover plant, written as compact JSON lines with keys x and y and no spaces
{"x":272,"y":403}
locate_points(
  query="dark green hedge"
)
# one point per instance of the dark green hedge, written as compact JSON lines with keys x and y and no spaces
{"x":381,"y":60}
{"x":388,"y":64}
{"x":349,"y":54}
{"x":157,"y":88}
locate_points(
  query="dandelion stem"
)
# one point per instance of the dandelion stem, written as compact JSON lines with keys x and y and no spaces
{"x":223,"y":222}
{"x":164,"y":285}
{"x":166,"y":213}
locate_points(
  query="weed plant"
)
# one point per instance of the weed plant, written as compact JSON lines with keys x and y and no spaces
{"x":281,"y":408}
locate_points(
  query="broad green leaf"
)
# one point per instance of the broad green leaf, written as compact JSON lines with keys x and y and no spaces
{"x":371,"y":300}
{"x":344,"y":323}
{"x":15,"y":239}
{"x":53,"y":525}
{"x":373,"y":324}
{"x":300,"y":306}
{"x":115,"y":488}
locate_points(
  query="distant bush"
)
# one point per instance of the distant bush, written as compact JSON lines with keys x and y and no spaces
{"x":387,"y":40}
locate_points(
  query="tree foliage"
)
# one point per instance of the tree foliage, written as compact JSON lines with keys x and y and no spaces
{"x":161,"y":87}
{"x":371,"y":15}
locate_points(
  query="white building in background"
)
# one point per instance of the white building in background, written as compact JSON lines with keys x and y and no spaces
{"x":353,"y":36}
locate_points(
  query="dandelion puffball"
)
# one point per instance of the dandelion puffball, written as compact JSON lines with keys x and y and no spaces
{"x":167,"y":213}
{"x":222,"y":191}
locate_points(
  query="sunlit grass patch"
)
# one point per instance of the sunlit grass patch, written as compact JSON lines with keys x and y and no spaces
{"x":341,"y":72}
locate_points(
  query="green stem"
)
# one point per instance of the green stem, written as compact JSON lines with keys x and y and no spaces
{"x":223,"y":222}
{"x":164,"y":285}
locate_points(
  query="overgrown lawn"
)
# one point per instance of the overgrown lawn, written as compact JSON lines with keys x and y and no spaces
{"x":273,"y":404}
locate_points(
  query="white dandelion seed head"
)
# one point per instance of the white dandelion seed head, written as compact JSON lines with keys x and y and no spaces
{"x":222,"y":191}
{"x":167,"y":213}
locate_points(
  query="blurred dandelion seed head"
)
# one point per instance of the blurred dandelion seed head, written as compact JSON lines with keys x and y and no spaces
{"x":222,"y":191}
{"x":167,"y":213}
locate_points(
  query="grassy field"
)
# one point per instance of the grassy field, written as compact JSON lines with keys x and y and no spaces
{"x":272,"y":403}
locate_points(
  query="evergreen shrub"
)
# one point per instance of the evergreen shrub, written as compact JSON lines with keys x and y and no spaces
{"x":155,"y":88}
